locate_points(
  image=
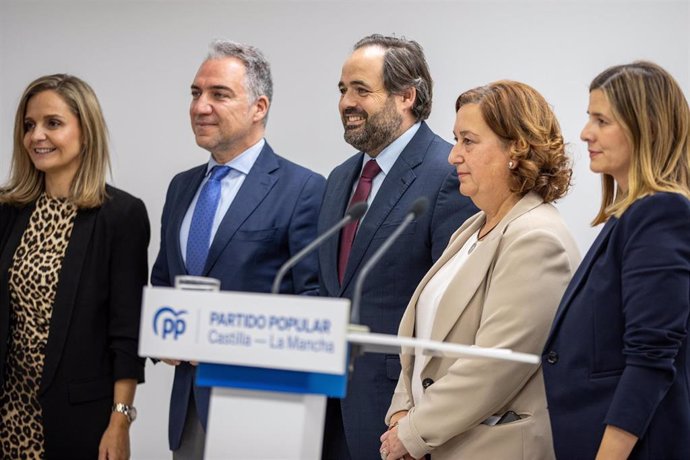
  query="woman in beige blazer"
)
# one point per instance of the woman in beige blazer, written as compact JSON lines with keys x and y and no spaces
{"x":497,"y":284}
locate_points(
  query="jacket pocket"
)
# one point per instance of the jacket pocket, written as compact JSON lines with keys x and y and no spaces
{"x":604,"y":374}
{"x":525,"y":418}
{"x":255,"y":235}
{"x":82,"y":391}
{"x":393,"y":367}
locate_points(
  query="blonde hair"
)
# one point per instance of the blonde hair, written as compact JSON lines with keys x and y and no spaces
{"x":525,"y":123}
{"x":88,"y":186}
{"x":654,"y":114}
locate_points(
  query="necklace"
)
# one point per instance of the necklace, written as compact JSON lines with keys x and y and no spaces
{"x":480,"y":238}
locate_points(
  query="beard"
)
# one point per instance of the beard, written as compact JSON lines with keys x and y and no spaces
{"x":377,"y":131}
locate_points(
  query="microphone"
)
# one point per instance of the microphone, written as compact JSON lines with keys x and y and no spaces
{"x":355,"y":212}
{"x":418,"y":208}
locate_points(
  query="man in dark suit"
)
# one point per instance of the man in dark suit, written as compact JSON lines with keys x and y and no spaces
{"x":237,"y":218}
{"x":385,"y":90}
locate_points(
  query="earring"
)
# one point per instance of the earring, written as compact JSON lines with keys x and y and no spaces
{"x":511,"y":164}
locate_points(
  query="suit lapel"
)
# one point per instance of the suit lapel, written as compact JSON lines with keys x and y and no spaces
{"x":465,"y":283}
{"x":392,"y":189}
{"x":334,"y":207}
{"x":66,"y":293}
{"x":20,"y":220}
{"x":582,"y":273}
{"x":178,"y":211}
{"x":256,"y":186}
{"x":458,"y":239}
{"x":473,"y":273}
{"x":398,"y":180}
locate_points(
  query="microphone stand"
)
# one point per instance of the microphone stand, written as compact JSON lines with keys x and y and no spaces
{"x":418,"y":208}
{"x":355,"y":212}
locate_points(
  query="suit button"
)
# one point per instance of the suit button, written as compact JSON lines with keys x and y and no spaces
{"x":552,"y":357}
{"x":426,"y":383}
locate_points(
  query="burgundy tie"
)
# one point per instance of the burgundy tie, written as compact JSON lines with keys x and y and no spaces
{"x":371,"y":170}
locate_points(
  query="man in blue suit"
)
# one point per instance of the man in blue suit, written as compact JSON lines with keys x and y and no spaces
{"x":237,"y":218}
{"x":386,"y":93}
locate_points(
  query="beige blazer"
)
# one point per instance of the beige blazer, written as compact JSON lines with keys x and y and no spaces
{"x":504,"y":296}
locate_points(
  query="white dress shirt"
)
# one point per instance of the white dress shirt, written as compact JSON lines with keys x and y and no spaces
{"x":386,"y":159}
{"x":230,"y":185}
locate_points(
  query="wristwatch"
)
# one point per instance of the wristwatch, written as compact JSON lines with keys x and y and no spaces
{"x":129,"y":411}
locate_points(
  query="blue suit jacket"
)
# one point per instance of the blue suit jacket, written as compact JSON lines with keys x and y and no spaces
{"x":618,"y":349}
{"x":421,"y":170}
{"x":272,"y":217}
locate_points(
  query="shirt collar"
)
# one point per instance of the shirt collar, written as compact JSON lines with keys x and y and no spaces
{"x":243,"y":162}
{"x":390,"y":154}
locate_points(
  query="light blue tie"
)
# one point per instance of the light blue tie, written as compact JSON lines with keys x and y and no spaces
{"x":202,"y":221}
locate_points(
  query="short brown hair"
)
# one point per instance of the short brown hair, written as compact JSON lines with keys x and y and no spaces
{"x":88,"y":186}
{"x":524,"y":121}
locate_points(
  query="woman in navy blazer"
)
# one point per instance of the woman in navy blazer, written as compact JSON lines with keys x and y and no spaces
{"x":73,"y":261}
{"x":616,"y":364}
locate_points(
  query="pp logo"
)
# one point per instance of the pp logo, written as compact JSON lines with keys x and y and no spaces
{"x":168,"y":322}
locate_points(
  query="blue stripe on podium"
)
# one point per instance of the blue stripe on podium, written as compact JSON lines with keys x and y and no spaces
{"x":258,"y":378}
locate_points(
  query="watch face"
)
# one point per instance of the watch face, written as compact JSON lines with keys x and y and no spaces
{"x":132,"y":413}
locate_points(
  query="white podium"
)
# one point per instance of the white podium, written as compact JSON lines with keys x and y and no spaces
{"x":272,"y":360}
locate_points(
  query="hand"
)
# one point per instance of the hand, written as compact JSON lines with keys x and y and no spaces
{"x":115,"y":441}
{"x":391,"y":446}
{"x":395,"y":418}
{"x":616,"y":444}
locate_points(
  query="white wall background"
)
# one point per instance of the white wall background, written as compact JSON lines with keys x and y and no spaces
{"x":141,"y":56}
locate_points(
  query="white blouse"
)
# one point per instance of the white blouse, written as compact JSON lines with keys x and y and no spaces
{"x":427,"y":304}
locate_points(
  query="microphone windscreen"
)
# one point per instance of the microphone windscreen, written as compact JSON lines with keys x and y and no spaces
{"x":357,"y":210}
{"x":419,"y":206}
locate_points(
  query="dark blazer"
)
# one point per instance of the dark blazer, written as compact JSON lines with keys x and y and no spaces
{"x":94,"y":327}
{"x":618,"y":349}
{"x":272,"y":217}
{"x":421,"y":170}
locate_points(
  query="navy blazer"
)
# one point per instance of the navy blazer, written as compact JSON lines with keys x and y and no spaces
{"x":421,"y":170}
{"x":94,"y":327}
{"x":272,"y":217}
{"x":618,"y":349}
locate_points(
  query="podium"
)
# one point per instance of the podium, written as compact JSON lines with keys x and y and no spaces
{"x":271,"y":360}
